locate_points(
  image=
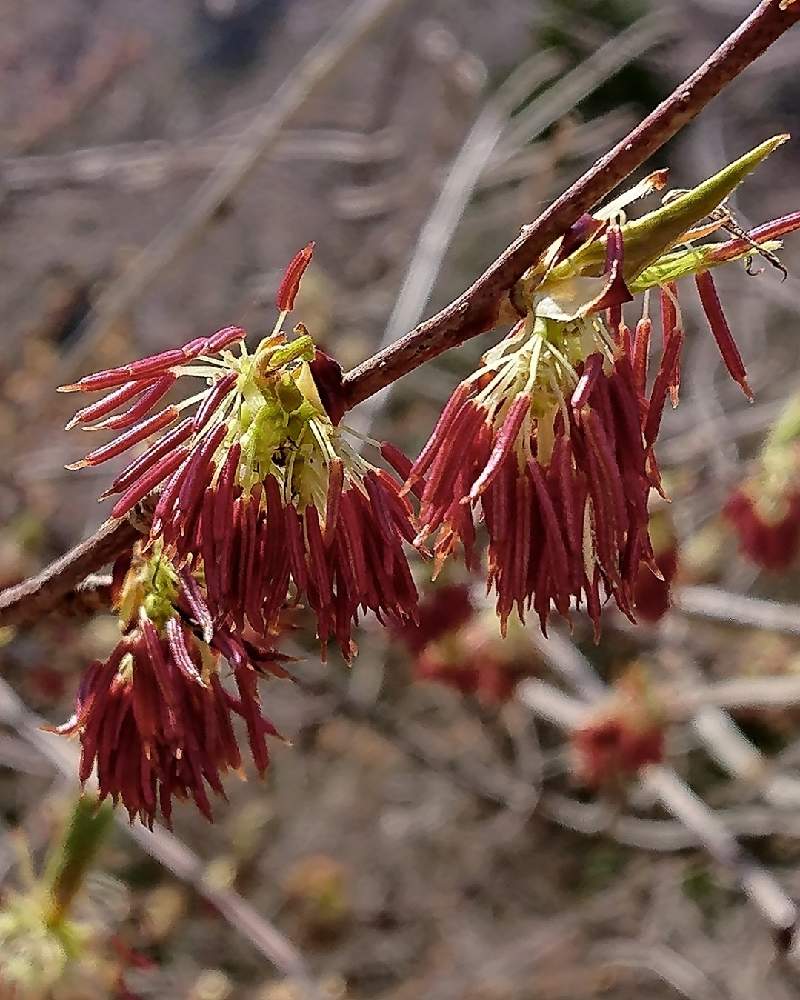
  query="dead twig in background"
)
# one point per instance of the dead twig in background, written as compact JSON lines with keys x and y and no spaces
{"x":664,"y":785}
{"x":240,"y":159}
{"x":737,"y":609}
{"x":143,"y":165}
{"x":481,"y":147}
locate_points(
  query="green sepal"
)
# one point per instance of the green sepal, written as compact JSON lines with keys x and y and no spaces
{"x":647,"y":238}
{"x":692,"y":260}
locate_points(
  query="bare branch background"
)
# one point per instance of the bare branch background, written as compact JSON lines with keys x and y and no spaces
{"x":461,"y":860}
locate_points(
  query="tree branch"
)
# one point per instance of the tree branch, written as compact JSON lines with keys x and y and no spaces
{"x":478,"y":308}
{"x":59,"y":582}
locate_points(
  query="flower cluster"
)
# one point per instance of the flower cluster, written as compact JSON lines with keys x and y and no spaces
{"x":262,"y":499}
{"x":156,"y":718}
{"x":551,"y":440}
{"x":456,"y":644}
{"x":764,"y":510}
{"x":260,"y":491}
{"x":621,"y":737}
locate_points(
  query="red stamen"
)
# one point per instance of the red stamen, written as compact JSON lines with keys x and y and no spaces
{"x":592,"y":370}
{"x":290,"y":283}
{"x":148,"y":481}
{"x":294,"y":534}
{"x":641,"y":352}
{"x":333,"y":499}
{"x":224,"y":492}
{"x":669,"y":328}
{"x":142,"y":407}
{"x":214,"y":399}
{"x":224,"y":338}
{"x":180,"y":652}
{"x":402,"y":465}
{"x":449,"y":413}
{"x":148,"y":458}
{"x":661,"y":385}
{"x":712,"y":307}
{"x":128,"y":439}
{"x":110,"y":402}
{"x":318,"y":565}
{"x":503,"y":445}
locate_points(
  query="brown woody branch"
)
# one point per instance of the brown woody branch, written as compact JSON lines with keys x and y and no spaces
{"x":60,"y":583}
{"x":478,"y":308}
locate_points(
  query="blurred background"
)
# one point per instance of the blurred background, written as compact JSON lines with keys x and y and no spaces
{"x":427,"y":832}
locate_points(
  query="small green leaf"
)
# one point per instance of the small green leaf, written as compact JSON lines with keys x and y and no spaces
{"x":647,"y":238}
{"x":683,"y":263}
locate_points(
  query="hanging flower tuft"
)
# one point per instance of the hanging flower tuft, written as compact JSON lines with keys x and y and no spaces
{"x":156,"y":718}
{"x":261,"y":492}
{"x":551,"y":441}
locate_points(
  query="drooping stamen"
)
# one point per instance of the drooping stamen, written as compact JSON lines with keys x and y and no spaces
{"x":193,"y":595}
{"x":214,"y":399}
{"x":180,"y":652}
{"x":398,"y":506}
{"x":127,"y":440}
{"x":141,"y":407}
{"x":294,"y":535}
{"x":224,"y":491}
{"x":712,"y":307}
{"x":601,"y":448}
{"x":317,"y":563}
{"x":592,"y":370}
{"x":200,"y":470}
{"x":661,"y":386}
{"x":110,"y":402}
{"x":504,"y":443}
{"x":333,"y":499}
{"x":559,"y":561}
{"x":641,"y":352}
{"x":670,"y":324}
{"x":401,"y":464}
{"x":443,"y":425}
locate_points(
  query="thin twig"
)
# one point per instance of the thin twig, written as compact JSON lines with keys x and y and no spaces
{"x":662,"y":835}
{"x":139,"y":165}
{"x":737,"y":609}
